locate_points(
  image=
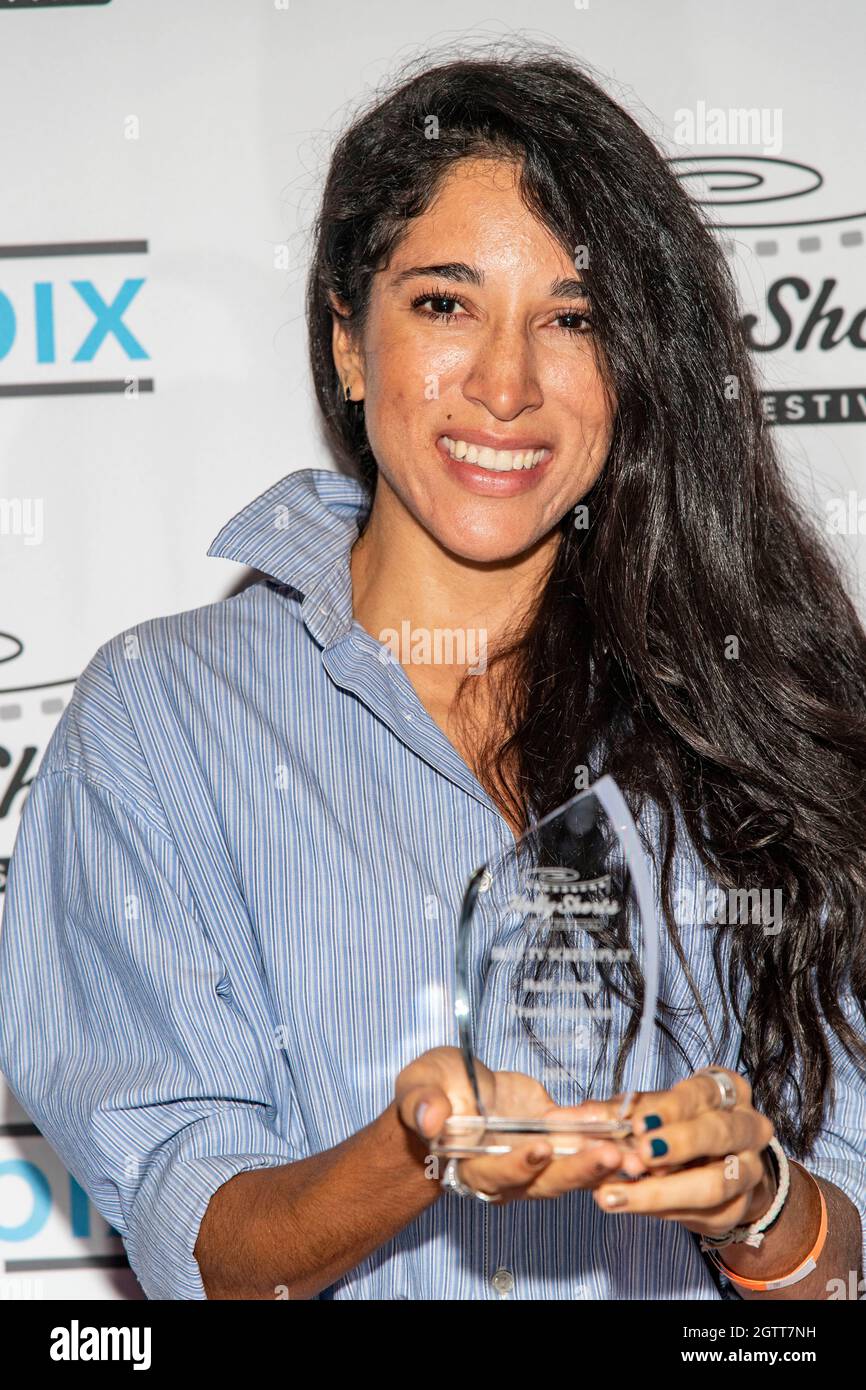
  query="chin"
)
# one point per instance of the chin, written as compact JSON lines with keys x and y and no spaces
{"x":486,"y":546}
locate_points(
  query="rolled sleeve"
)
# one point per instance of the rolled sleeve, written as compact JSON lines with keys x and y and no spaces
{"x":120,"y":1028}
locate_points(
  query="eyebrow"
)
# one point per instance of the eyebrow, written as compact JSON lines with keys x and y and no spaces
{"x":458,"y":271}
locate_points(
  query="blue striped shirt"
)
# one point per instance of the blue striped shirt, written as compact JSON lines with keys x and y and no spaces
{"x":230,"y":922}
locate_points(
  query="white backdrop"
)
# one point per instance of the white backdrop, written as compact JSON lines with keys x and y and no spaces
{"x":166,"y":159}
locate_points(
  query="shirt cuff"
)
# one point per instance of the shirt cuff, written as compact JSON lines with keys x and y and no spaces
{"x":172,"y":1200}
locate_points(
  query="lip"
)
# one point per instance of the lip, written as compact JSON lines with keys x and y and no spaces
{"x":484,"y":439}
{"x":482,"y":481}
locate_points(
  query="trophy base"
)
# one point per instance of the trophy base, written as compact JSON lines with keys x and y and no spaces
{"x":467,"y":1136}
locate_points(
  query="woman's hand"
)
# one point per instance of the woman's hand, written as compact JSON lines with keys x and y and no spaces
{"x":703,"y":1165}
{"x":435,"y":1086}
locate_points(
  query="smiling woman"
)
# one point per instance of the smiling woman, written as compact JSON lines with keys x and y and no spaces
{"x":244,"y":852}
{"x":526,"y":313}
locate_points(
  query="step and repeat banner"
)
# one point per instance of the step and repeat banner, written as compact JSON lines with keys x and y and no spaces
{"x":160,"y":170}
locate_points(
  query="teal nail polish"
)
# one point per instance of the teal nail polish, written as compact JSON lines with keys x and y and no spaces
{"x":658,"y":1147}
{"x":652,"y":1121}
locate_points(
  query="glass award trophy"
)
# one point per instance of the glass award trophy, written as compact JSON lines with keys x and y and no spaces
{"x":557,"y":955}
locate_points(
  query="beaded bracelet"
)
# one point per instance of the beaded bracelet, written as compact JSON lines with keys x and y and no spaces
{"x":754,"y":1234}
{"x":805,"y":1266}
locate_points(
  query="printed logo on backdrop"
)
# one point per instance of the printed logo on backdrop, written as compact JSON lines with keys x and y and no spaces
{"x":779,"y":211}
{"x":28,"y":715}
{"x":67,"y":313}
{"x":53,"y":1242}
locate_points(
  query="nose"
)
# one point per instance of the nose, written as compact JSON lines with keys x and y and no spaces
{"x":502,"y":375}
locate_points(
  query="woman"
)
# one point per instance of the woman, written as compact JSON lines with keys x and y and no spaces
{"x":228,"y":946}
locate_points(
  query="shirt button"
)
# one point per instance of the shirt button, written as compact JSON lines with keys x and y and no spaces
{"x":503,"y":1281}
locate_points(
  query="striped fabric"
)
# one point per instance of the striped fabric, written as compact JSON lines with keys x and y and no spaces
{"x":230,"y":922}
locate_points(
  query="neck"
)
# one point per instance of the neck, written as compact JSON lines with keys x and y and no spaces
{"x":401,"y":573}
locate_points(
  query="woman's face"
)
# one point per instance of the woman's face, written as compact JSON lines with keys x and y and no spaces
{"x":483,"y":397}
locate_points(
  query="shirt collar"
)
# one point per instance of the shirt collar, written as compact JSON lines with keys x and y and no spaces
{"x":300,"y":532}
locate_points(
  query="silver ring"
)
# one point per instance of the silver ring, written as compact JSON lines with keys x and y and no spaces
{"x":451,"y":1182}
{"x":727,"y":1089}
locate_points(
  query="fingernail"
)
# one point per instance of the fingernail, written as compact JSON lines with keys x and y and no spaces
{"x":419,"y":1115}
{"x":614,"y":1199}
{"x":658,"y":1147}
{"x":652,"y":1122}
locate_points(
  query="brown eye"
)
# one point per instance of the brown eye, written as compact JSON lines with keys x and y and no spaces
{"x":580,"y":323}
{"x":441,"y":303}
{"x":444,"y":306}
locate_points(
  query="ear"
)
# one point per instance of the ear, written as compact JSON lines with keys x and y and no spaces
{"x":346,"y":349}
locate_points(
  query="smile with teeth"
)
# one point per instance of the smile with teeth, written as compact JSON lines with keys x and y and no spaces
{"x":496,"y":460}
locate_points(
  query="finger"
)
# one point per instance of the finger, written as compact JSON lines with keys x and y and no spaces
{"x":593,"y":1111}
{"x":424,"y":1109}
{"x":507,"y":1173}
{"x":612,"y":1109}
{"x":712,"y":1134}
{"x":532,"y":1166}
{"x":608,"y":1111}
{"x":702,"y":1188}
{"x":687,"y":1098}
{"x":601,"y":1160}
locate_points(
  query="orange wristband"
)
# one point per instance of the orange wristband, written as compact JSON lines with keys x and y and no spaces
{"x":804,"y":1268}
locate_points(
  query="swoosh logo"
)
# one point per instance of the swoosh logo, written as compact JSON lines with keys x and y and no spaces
{"x":738,"y":181}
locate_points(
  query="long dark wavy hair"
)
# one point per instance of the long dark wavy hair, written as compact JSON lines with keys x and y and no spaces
{"x":695,"y":539}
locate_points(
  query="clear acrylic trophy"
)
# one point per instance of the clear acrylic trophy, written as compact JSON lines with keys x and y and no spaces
{"x":549,"y":936}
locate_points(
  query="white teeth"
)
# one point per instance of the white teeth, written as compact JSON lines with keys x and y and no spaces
{"x":496,"y":460}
